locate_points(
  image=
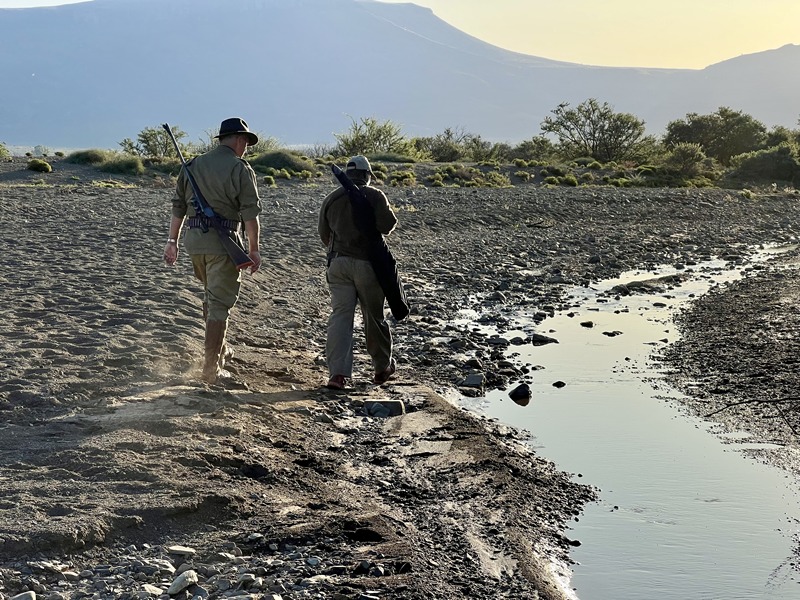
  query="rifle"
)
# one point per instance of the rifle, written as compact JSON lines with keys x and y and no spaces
{"x":380,"y":257}
{"x":230,"y":240}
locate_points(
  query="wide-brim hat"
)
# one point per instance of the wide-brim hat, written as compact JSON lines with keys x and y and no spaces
{"x":360,"y":163}
{"x":236,"y":125}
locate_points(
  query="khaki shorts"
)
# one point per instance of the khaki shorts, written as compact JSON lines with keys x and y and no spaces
{"x":221,"y":282}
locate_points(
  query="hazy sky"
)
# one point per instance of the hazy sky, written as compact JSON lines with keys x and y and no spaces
{"x":687,"y":34}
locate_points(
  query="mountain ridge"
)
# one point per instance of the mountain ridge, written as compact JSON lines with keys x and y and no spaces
{"x":93,"y":73}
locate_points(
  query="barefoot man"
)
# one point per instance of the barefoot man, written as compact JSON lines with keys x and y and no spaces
{"x":228,"y":184}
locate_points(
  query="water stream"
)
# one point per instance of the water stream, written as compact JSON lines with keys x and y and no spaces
{"x":683,"y":514}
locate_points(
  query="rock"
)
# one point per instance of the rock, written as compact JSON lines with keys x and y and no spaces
{"x":473,"y":380}
{"x":521,"y":394}
{"x":384,"y":408}
{"x":181,"y":551}
{"x":152,"y":590}
{"x":183,"y":581}
{"x":537,"y":339}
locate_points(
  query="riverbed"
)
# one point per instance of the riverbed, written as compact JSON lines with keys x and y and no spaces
{"x":684,"y":512}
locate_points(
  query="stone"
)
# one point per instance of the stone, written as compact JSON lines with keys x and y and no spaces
{"x":384,"y":408}
{"x":474,"y":380}
{"x":182,"y":551}
{"x":183,"y":581}
{"x":520,"y":393}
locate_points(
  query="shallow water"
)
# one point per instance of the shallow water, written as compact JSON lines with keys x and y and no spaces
{"x":683,"y":513}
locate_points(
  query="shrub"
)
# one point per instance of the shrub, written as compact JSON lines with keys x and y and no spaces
{"x":520,"y":163}
{"x":523,"y":175}
{"x":587,"y":177}
{"x":380,"y":170}
{"x":123,"y":164}
{"x":59,"y":153}
{"x":269,"y":180}
{"x":4,"y":153}
{"x":370,"y":137}
{"x":551,"y":180}
{"x":403,"y":178}
{"x":685,"y":159}
{"x":594,"y":165}
{"x":171,"y":166}
{"x":436,"y":180}
{"x":496,"y":179}
{"x":557,"y":170}
{"x":780,"y":162}
{"x":283,"y":160}
{"x":569,"y":179}
{"x":39,"y":165}
{"x":391,"y":157}
{"x":88,"y":157}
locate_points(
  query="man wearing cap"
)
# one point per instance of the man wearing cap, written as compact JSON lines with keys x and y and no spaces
{"x":228,"y":184}
{"x":352,"y":280}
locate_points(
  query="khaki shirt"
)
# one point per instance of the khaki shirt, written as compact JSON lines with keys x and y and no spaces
{"x":228,"y":183}
{"x":337,"y":229}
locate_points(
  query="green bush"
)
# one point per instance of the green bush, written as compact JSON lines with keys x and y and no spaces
{"x":391,"y":157}
{"x":4,"y":153}
{"x":171,"y":166}
{"x":551,"y":180}
{"x":269,"y":180}
{"x":587,"y":177}
{"x":685,"y":159}
{"x":436,"y":180}
{"x":520,"y":163}
{"x":496,"y":179}
{"x":569,"y":179}
{"x":523,"y":175}
{"x":123,"y":164}
{"x":283,"y":160}
{"x":777,"y":163}
{"x":403,"y":178}
{"x":59,"y":153}
{"x":594,"y":165}
{"x":380,"y":170}
{"x":39,"y":165}
{"x":88,"y":157}
{"x":557,"y":170}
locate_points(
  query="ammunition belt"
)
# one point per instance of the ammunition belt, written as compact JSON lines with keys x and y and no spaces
{"x":199,"y":222}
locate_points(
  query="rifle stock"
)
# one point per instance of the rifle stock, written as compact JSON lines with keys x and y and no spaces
{"x":380,"y":256}
{"x":204,"y":210}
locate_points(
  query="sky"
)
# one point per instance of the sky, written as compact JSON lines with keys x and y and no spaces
{"x":678,"y":34}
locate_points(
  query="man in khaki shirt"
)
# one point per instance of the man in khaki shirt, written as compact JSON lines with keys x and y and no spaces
{"x":228,"y":184}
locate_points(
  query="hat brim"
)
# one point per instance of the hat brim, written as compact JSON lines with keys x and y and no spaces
{"x":252,"y":138}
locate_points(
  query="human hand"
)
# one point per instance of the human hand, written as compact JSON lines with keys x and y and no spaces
{"x":255,"y":256}
{"x":171,"y":253}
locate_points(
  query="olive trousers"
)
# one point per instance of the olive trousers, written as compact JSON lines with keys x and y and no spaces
{"x":352,"y":281}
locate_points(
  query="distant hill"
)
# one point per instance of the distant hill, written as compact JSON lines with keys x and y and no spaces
{"x":91,"y":74}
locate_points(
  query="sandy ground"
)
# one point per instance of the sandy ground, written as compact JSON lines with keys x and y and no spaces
{"x":122,"y":475}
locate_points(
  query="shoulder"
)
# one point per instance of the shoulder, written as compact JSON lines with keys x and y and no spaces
{"x":337,"y":193}
{"x":374,"y":194}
